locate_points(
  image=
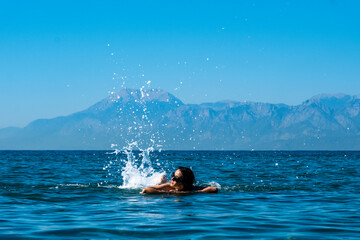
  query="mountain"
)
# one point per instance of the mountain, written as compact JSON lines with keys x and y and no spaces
{"x":159,"y":119}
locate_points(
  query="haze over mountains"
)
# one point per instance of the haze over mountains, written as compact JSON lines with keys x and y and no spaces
{"x":155,"y":118}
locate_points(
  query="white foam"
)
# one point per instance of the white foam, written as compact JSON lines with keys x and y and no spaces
{"x":137,"y":171}
{"x":215,"y":184}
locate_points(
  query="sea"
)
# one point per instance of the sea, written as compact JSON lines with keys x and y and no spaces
{"x":262,"y":195}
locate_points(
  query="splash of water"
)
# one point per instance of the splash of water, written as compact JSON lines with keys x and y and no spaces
{"x":134,"y":168}
{"x":138,"y":172}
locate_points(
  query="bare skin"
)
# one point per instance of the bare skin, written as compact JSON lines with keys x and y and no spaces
{"x":176,"y":187}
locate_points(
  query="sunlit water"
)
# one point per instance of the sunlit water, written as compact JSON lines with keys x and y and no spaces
{"x":263,"y":195}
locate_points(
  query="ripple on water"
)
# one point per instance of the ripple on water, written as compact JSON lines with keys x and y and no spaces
{"x":57,"y":195}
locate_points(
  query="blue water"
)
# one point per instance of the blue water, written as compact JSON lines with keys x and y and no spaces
{"x":263,"y":195}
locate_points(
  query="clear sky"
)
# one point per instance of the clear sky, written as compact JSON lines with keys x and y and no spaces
{"x":59,"y":57}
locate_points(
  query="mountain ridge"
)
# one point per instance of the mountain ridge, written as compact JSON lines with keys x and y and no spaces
{"x":154,"y":117}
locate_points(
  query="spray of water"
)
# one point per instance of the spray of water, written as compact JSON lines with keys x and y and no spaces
{"x":137,"y":171}
{"x":133,"y":164}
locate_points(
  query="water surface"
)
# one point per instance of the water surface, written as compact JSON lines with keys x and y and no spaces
{"x":263,"y":195}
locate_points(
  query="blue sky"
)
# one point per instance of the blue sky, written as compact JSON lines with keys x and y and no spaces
{"x":59,"y":57}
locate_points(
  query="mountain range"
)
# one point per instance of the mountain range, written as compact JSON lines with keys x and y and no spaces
{"x":156,"y":118}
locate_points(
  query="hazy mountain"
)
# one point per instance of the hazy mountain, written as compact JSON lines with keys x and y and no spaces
{"x":157,"y":118}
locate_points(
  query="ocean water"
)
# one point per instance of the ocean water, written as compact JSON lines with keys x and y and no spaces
{"x":263,"y":195}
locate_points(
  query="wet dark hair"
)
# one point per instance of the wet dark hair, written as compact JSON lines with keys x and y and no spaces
{"x":187,"y":178}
